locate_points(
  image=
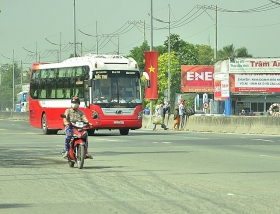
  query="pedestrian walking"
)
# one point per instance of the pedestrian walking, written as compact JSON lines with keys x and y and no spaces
{"x":159,"y":115}
{"x":166,"y":112}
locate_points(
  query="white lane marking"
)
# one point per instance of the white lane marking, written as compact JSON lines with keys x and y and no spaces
{"x":200,"y":138}
{"x":162,"y":142}
{"x":103,"y":139}
{"x":263,"y":140}
{"x":23,"y":133}
{"x":268,"y":156}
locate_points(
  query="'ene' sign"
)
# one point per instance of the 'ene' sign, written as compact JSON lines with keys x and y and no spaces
{"x":195,"y":76}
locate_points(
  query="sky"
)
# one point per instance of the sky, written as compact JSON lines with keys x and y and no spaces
{"x":36,"y":30}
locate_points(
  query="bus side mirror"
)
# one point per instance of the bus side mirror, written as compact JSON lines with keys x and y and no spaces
{"x":148,"y":84}
{"x":87,"y":85}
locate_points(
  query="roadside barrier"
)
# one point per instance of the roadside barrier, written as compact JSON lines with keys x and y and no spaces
{"x":233,"y":124}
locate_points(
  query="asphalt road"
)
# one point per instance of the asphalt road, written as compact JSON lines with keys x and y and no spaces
{"x":144,"y":172}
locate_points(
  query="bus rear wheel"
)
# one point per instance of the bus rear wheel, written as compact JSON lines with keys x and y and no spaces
{"x":124,"y":131}
{"x":45,"y":129}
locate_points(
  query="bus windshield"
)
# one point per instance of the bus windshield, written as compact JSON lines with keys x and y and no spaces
{"x":116,"y":87}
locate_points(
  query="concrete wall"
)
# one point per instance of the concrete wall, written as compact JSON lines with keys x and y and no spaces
{"x":14,"y":115}
{"x":232,"y":124}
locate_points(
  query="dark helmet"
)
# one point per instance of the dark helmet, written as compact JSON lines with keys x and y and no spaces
{"x":75,"y":99}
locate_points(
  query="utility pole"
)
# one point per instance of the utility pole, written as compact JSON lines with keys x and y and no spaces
{"x":36,"y":54}
{"x":216,"y":35}
{"x":77,"y":43}
{"x":151,"y":49}
{"x":93,"y":36}
{"x":59,"y":58}
{"x":75,"y":53}
{"x":204,"y":7}
{"x":118,"y":40}
{"x":96,"y":38}
{"x":21,"y":74}
{"x":144,"y":31}
{"x":152,"y":26}
{"x":13,"y":80}
{"x":0,"y":73}
{"x":169,"y":76}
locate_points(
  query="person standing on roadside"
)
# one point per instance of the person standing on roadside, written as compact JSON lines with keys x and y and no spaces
{"x":176,"y":117}
{"x":182,"y":112}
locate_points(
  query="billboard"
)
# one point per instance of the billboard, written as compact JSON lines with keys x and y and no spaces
{"x":197,"y":78}
{"x":255,"y":82}
{"x":254,"y":65}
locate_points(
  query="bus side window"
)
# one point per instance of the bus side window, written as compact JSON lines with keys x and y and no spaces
{"x":70,"y":72}
{"x":67,"y":93}
{"x":43,"y":93}
{"x":79,"y":71}
{"x":60,"y":83}
{"x":59,"y":93}
{"x":51,"y":83}
{"x":33,"y":85}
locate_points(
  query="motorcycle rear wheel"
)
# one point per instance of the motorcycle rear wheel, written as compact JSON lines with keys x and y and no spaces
{"x":81,"y":156}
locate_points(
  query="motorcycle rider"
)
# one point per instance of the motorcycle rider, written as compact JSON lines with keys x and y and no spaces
{"x":73,"y":114}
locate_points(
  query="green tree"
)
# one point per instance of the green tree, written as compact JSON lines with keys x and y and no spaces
{"x":138,"y":53}
{"x":226,"y":52}
{"x":6,"y":87}
{"x":205,"y":54}
{"x":229,"y":51}
{"x":185,"y":52}
{"x":242,"y":52}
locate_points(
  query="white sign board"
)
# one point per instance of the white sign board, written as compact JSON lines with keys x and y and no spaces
{"x":254,"y":65}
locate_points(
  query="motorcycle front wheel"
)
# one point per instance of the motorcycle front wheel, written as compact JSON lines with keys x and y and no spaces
{"x":71,"y":163}
{"x":81,"y":156}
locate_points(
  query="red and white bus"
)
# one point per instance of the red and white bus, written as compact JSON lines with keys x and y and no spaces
{"x":108,"y":86}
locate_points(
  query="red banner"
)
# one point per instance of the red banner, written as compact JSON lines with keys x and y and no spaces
{"x":151,"y":67}
{"x":197,"y":78}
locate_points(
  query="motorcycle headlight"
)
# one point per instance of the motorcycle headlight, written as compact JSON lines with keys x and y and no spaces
{"x":75,"y":136}
{"x":85,"y":135}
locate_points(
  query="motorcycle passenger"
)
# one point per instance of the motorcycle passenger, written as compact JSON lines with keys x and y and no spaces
{"x":73,"y":114}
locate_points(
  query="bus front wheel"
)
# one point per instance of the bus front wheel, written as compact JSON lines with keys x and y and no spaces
{"x":124,"y":131}
{"x":45,"y":129}
{"x":91,"y":132}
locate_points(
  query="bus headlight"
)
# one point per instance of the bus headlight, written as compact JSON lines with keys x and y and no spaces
{"x":94,"y":114}
{"x":140,"y":115}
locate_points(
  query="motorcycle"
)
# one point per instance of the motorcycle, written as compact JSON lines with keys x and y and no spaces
{"x":78,"y":143}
